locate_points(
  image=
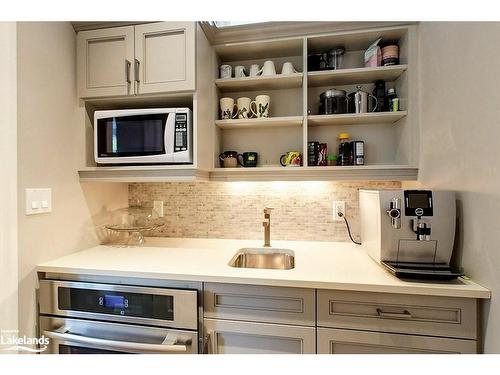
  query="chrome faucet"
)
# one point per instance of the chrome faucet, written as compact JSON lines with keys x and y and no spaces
{"x":267,"y":226}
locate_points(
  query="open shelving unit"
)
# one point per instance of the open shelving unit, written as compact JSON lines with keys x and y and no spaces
{"x":390,"y":137}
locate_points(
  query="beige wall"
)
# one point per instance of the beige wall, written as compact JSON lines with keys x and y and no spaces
{"x":302,"y":210}
{"x":460,"y":132}
{"x":50,"y":127}
{"x":8,"y":171}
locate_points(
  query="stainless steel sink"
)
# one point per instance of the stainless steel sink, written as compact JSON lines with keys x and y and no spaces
{"x":262,"y":257}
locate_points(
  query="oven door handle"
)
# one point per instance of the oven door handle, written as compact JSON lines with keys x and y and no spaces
{"x":135,"y":347}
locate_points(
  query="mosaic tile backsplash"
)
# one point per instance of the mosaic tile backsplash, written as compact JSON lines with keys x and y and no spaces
{"x":302,"y":210}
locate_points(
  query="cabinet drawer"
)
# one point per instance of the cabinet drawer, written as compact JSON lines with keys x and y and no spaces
{"x":340,"y":341}
{"x":423,"y":315}
{"x":260,"y":303}
{"x":234,"y":337}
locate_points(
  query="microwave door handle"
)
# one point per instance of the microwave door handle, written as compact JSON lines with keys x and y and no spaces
{"x":169,"y":136}
{"x":136,"y":347}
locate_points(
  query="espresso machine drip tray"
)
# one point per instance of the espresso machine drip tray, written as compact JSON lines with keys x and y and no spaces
{"x":422,"y":271}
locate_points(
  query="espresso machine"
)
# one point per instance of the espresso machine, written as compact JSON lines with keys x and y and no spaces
{"x":410,"y":232}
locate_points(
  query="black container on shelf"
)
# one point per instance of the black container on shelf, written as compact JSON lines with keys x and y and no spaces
{"x":314,"y":62}
{"x":312,"y":153}
{"x":332,"y":102}
{"x":379,"y":93}
{"x":345,"y":150}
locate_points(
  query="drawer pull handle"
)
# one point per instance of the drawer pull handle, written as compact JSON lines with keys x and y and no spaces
{"x":405,"y":314}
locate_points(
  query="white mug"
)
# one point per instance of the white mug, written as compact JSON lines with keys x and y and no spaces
{"x":243,"y":107}
{"x":239,"y":71}
{"x":226,"y":108}
{"x":268,"y":69}
{"x":261,"y":106}
{"x":255,"y":70}
{"x":226,"y":71}
{"x":288,"y":68}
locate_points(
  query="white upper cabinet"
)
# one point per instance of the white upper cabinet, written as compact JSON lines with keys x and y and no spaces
{"x":165,"y":59}
{"x":105,"y":59}
{"x":144,"y":59}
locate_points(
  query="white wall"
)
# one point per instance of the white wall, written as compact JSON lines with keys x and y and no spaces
{"x":50,"y":130}
{"x":8,"y":171}
{"x":460,"y":133}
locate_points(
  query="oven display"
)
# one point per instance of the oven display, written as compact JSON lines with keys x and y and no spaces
{"x":108,"y":302}
{"x":113,"y":302}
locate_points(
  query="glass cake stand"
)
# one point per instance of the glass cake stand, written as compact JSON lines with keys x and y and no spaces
{"x":134,"y":222}
{"x":136,"y":233}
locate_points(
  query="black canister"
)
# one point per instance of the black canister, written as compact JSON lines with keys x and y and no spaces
{"x":379,"y":93}
{"x":333,"y":102}
{"x":314,"y":62}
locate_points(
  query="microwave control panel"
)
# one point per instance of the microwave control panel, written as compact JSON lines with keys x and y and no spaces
{"x":181,"y":132}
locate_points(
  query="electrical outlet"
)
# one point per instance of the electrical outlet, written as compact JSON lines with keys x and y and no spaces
{"x":338,"y":207}
{"x":158,"y":208}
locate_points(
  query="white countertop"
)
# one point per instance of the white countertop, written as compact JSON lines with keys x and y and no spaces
{"x":323,"y":265}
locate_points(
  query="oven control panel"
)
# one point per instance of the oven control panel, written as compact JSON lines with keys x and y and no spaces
{"x":181,"y":132}
{"x":117,"y":303}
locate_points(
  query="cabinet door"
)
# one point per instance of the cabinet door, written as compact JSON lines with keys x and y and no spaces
{"x":235,"y":337}
{"x":164,"y":57}
{"x":339,"y":341}
{"x":105,"y":61}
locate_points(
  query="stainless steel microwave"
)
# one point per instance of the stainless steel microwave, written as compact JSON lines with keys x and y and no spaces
{"x":143,"y":136}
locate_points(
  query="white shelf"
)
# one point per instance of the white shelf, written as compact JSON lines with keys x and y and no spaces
{"x":356,"y":118}
{"x":278,"y":81}
{"x":143,"y":173}
{"x":355,"y":76}
{"x":365,"y":172}
{"x":268,"y":122}
{"x":178,"y":174}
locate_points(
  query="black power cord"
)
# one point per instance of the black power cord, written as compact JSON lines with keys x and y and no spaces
{"x":348,"y":228}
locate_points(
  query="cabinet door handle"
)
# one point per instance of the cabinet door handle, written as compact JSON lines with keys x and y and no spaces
{"x":136,"y":70}
{"x":404,"y":315}
{"x":128,"y":64}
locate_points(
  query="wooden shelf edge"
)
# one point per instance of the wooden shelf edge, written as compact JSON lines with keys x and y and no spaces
{"x":116,"y":174}
{"x":277,"y":81}
{"x":368,"y":172}
{"x":355,"y":75}
{"x":264,"y":122}
{"x":356,"y":118}
{"x":373,"y":172}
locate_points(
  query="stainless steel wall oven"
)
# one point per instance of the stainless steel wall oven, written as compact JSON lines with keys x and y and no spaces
{"x":87,"y":317}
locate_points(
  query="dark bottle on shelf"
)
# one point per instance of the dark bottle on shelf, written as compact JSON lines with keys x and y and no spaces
{"x":379,"y":94}
{"x":345,"y":150}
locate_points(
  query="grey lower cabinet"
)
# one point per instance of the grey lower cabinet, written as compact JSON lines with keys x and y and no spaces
{"x":266,"y":319}
{"x":386,"y":323}
{"x":238,"y":337}
{"x":250,"y":319}
{"x":342,"y":341}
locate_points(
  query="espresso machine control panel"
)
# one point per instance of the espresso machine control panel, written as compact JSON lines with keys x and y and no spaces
{"x":418,"y":203}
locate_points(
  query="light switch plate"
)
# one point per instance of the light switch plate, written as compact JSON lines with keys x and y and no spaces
{"x":38,"y":201}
